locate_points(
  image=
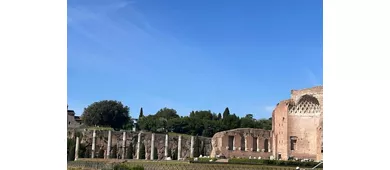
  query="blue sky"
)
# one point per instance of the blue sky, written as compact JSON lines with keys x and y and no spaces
{"x":193,"y":54}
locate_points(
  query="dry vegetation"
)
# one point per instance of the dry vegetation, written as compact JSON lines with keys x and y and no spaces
{"x":169,"y":165}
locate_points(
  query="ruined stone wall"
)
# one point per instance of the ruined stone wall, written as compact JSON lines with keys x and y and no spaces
{"x":280,"y":130}
{"x":297,"y":125}
{"x":305,"y":129}
{"x":72,"y":123}
{"x":316,"y":92}
{"x":131,"y":139}
{"x":242,"y":142}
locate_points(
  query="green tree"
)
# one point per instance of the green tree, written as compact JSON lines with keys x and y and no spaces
{"x":219,"y":116}
{"x":149,"y":123}
{"x":167,"y":113}
{"x":202,"y":114}
{"x":247,"y":121}
{"x":226,"y":113}
{"x":231,"y":122}
{"x":264,"y":124}
{"x":178,"y":125}
{"x":106,"y":113}
{"x":141,"y":113}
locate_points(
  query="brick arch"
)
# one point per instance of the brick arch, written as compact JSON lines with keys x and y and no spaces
{"x":308,"y":98}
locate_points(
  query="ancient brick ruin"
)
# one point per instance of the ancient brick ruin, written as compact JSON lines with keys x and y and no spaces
{"x":73,"y":121}
{"x":296,"y":131}
{"x":243,"y":143}
{"x":105,"y":141}
{"x":297,"y":125}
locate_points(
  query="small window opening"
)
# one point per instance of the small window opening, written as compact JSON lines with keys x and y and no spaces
{"x":293,"y":143}
{"x":231,"y":139}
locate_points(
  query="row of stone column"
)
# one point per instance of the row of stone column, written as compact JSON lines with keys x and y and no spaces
{"x":138,"y":146}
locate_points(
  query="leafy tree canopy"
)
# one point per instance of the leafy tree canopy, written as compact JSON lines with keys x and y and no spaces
{"x":110,"y":113}
{"x":167,"y":113}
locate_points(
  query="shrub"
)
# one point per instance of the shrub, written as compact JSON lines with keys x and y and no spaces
{"x":127,"y":167}
{"x":202,"y":160}
{"x":273,"y":162}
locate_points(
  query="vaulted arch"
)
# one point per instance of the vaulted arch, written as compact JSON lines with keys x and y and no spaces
{"x":306,"y":105}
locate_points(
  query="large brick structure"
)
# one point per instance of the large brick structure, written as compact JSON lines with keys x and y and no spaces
{"x":297,"y":125}
{"x":296,"y":131}
{"x":242,"y":142}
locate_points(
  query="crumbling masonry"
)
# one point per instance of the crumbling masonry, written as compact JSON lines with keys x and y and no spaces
{"x":103,"y":141}
{"x":297,"y":128}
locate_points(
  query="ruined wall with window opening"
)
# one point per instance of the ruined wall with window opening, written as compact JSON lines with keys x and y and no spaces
{"x":297,"y":125}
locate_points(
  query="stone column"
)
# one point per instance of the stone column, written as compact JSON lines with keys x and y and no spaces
{"x":269,"y":145}
{"x":166,"y":146}
{"x":179,"y":148}
{"x":124,"y":145}
{"x":258,"y":144}
{"x":93,"y":144}
{"x":192,"y":147}
{"x":152,"y":148}
{"x":76,"y":154}
{"x":246,"y":143}
{"x":108,"y":145}
{"x":234,"y":142}
{"x":138,"y":145}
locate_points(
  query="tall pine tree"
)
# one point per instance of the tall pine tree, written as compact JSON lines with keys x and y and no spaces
{"x":219,"y":116}
{"x":226,"y":113}
{"x":141,"y":113}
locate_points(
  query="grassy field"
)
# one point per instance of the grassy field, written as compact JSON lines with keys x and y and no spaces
{"x":169,"y":165}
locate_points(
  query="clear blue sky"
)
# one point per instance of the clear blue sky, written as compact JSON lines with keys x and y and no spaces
{"x":193,"y":54}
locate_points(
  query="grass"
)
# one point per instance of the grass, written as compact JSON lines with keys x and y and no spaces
{"x":179,"y":165}
{"x":99,"y":128}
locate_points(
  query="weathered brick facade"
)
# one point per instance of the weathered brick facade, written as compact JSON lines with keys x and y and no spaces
{"x":296,"y":131}
{"x":242,"y":142}
{"x":297,"y":125}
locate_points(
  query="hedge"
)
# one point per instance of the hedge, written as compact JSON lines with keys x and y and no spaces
{"x":273,"y":162}
{"x":123,"y":166}
{"x":202,"y":160}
